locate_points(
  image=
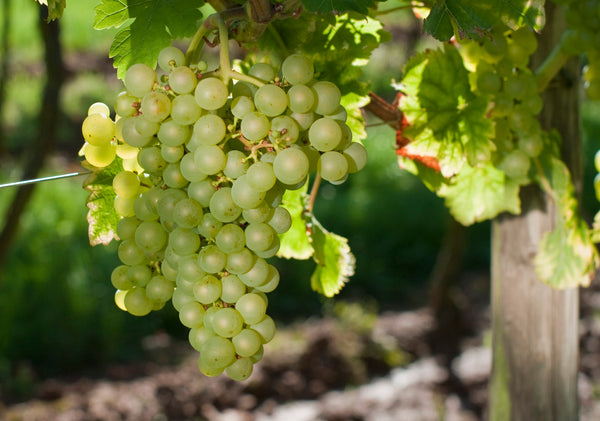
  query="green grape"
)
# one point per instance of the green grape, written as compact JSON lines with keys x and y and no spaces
{"x":517,"y":54}
{"x":284,"y":128}
{"x":191,"y":314}
{"x":597,"y":186}
{"x":223,"y":207}
{"x":271,"y":251}
{"x":495,"y":48}
{"x":126,"y":184}
{"x":120,"y":299}
{"x":240,"y":369}
{"x":130,"y":254}
{"x":325,"y":134}
{"x":209,"y":226}
{"x":332,"y":166}
{"x":263,"y":72}
{"x":150,"y":236}
{"x":304,"y":120}
{"x":281,"y":221}
{"x":297,"y":69}
{"x":243,"y":89}
{"x":531,"y":144}
{"x":596,"y":164}
{"x":252,"y":308}
{"x":239,"y":262}
{"x":131,"y":134}
{"x":257,"y":275}
{"x":98,"y":129}
{"x":207,"y":290}
{"x":167,"y":200}
{"x":266,"y":329}
{"x":159,"y":289}
{"x":210,"y":159}
{"x":210,"y":129}
{"x":526,"y":40}
{"x":139,"y":79}
{"x":119,"y":278}
{"x":533,"y":104}
{"x":173,"y":134}
{"x":211,"y":93}
{"x":217,"y":353}
{"x":301,"y":99}
{"x":244,"y":195}
{"x":271,"y":100}
{"x":236,"y":165}
{"x":227,"y":322}
{"x":260,"y":236}
{"x":356,"y":155}
{"x":125,"y":104}
{"x":210,"y":311}
{"x":232,"y":288}
{"x":272,"y":281}
{"x":136,"y":302}
{"x":185,"y":110}
{"x":99,"y":108}
{"x":182,"y":80}
{"x":201,"y":191}
{"x":260,"y":176}
{"x":156,"y":106}
{"x":170,"y":57}
{"x":189,"y":271}
{"x":151,"y":160}
{"x":291,"y":166}
{"x":515,"y":164}
{"x":255,"y":126}
{"x":241,"y":106}
{"x":124,"y":206}
{"x":488,"y":82}
{"x":274,"y":196}
{"x":187,"y":213}
{"x":230,"y":238}
{"x":199,"y":335}
{"x":328,"y":97}
{"x":211,"y":259}
{"x":209,"y":371}
{"x":100,"y":156}
{"x":172,"y":176}
{"x":261,"y":213}
{"x":180,"y":298}
{"x":139,"y":275}
{"x":127,"y":153}
{"x":126,"y":228}
{"x":189,"y":170}
{"x":184,"y":241}
{"x":247,"y":342}
{"x":172,"y":154}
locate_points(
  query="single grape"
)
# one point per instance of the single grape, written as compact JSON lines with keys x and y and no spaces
{"x":217,"y":352}
{"x":98,"y":129}
{"x":297,"y":69}
{"x":211,"y":93}
{"x":230,"y":238}
{"x":184,"y":241}
{"x":328,"y":97}
{"x":126,"y":184}
{"x":120,"y":280}
{"x":132,"y":136}
{"x":271,"y":100}
{"x":209,"y":226}
{"x":172,"y":154}
{"x":199,"y":335}
{"x":247,"y":342}
{"x":173,"y":134}
{"x":99,"y":108}
{"x":257,"y":275}
{"x":156,"y":106}
{"x":240,"y":369}
{"x":244,"y":195}
{"x":260,"y":236}
{"x":260,"y":176}
{"x":266,"y":329}
{"x":281,"y":221}
{"x":185,"y":110}
{"x":191,"y":314}
{"x":188,"y":213}
{"x":207,"y":290}
{"x":301,"y":99}
{"x":223,"y":207}
{"x":159,"y":288}
{"x":139,"y":275}
{"x":170,"y":57}
{"x":284,"y":129}
{"x":124,"y":206}
{"x":150,"y":236}
{"x":136,"y":302}
{"x":126,"y":104}
{"x":180,"y":298}
{"x":241,"y":105}
{"x":139,"y":79}
{"x":100,"y":156}
{"x":240,"y":262}
{"x":182,"y":80}
{"x":173,"y":177}
{"x":356,"y":155}
{"x":332,"y":166}
{"x":236,"y":165}
{"x":211,"y":259}
{"x":126,"y":228}
{"x":325,"y":134}
{"x":210,"y":159}
{"x":262,"y":71}
{"x":255,"y":126}
{"x":232,"y":288}
{"x":291,"y":166}
{"x":189,"y":169}
{"x":227,"y":322}
{"x":210,"y":129}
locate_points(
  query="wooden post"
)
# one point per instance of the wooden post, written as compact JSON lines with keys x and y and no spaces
{"x":534,"y":327}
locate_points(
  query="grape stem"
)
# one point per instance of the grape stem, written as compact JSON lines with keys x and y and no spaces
{"x":553,"y":63}
{"x":194,"y":50}
{"x":313,"y":194}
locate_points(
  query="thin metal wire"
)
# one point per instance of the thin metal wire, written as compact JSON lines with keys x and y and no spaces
{"x":37,"y":180}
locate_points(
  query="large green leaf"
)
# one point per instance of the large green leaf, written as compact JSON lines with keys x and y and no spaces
{"x":295,"y":243}
{"x":474,"y":17}
{"x":55,"y":8}
{"x":145,"y":27}
{"x":102,"y":217}
{"x":335,"y":261}
{"x":480,"y":193}
{"x":446,"y":120}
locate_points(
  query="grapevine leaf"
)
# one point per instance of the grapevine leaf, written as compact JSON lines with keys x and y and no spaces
{"x":567,"y":256}
{"x":475,"y":17}
{"x":446,"y":120}
{"x":353,"y":103}
{"x":480,"y":193}
{"x":145,"y":27}
{"x":102,"y":217}
{"x":335,"y":261}
{"x":338,"y":45}
{"x":295,"y":243}
{"x":55,"y":8}
{"x":326,"y":6}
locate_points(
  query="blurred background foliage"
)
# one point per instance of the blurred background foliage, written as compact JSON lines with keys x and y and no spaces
{"x":56,"y":307}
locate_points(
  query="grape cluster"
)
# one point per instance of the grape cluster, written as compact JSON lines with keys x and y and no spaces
{"x":499,"y":70}
{"x":583,"y":18}
{"x":205,"y":167}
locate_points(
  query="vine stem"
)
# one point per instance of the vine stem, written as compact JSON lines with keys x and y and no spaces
{"x":313,"y":193}
{"x":193,"y":52}
{"x":224,"y":61}
{"x":553,"y":63}
{"x":37,"y":180}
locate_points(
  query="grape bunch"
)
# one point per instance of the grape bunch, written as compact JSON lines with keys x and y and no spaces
{"x":500,"y":72}
{"x":206,"y":164}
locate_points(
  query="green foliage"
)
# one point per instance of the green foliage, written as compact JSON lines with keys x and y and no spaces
{"x":145,"y":27}
{"x":102,"y":218}
{"x":473,"y":17}
{"x":326,"y":6}
{"x":55,"y":8}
